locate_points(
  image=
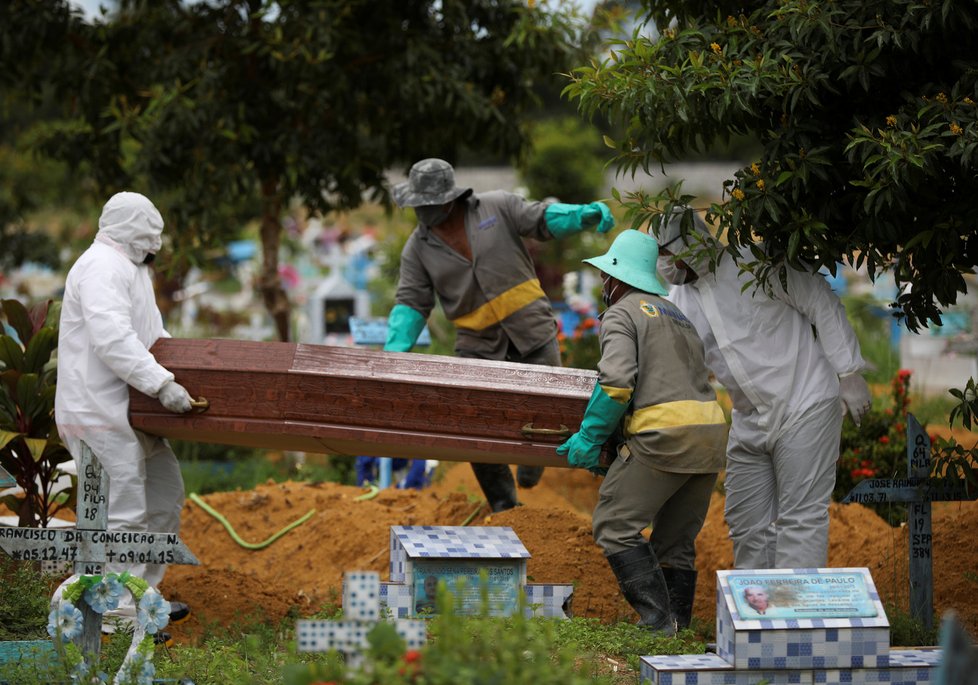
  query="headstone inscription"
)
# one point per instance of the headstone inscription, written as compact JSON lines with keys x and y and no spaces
{"x":918,"y":490}
{"x":90,"y":546}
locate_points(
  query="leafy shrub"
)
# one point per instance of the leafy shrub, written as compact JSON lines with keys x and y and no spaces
{"x":24,"y":600}
{"x":30,"y":448}
{"x":565,"y":161}
{"x":877,"y":447}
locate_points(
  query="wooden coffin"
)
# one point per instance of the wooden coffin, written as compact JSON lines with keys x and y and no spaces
{"x":350,"y":401}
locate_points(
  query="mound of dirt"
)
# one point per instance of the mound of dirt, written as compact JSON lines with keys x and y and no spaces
{"x":302,"y":571}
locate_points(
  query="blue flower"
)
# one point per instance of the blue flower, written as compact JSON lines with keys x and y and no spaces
{"x":82,"y":675}
{"x":104,"y":595}
{"x":154,"y":611}
{"x":65,"y":620}
{"x":139,"y":670}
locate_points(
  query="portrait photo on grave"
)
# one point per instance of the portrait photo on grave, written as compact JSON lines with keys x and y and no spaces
{"x":801,"y":595}
{"x":466,"y":580}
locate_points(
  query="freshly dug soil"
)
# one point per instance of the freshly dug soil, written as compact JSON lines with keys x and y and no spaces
{"x":302,"y":571}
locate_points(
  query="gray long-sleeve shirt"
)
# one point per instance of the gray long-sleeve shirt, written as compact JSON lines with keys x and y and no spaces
{"x":652,"y":358}
{"x":495,"y":299}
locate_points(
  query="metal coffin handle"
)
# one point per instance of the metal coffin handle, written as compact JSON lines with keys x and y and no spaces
{"x":529,"y":431}
{"x":200,"y":406}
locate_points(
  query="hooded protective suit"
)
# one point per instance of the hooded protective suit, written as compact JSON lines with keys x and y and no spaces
{"x":109,"y":320}
{"x":784,"y":383}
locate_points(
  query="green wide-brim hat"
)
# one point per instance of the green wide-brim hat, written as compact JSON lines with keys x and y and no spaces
{"x":631,"y":259}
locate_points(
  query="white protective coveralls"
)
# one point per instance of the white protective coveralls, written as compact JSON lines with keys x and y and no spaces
{"x":109,"y":320}
{"x":784,"y":383}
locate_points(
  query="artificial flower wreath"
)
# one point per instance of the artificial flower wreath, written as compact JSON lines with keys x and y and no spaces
{"x":102,"y":593}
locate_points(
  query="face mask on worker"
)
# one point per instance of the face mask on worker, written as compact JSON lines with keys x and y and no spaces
{"x":608,"y":295}
{"x":433,"y":215}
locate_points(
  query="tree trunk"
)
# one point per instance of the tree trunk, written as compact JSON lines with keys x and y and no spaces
{"x":270,"y":285}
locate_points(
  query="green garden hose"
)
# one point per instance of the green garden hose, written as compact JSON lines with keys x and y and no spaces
{"x":237,"y":538}
{"x":372,"y":492}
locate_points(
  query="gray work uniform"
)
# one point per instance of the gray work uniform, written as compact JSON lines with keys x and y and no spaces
{"x":495,"y":301}
{"x":674,"y":432}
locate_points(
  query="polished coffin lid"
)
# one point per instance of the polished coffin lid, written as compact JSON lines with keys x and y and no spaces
{"x":350,"y":401}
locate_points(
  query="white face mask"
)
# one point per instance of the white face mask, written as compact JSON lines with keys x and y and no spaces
{"x":669,"y":271}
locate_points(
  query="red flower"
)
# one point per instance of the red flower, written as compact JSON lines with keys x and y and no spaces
{"x":884,"y":440}
{"x":412,"y":655}
{"x":904,"y":374}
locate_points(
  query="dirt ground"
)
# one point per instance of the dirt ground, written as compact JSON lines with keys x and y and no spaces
{"x":302,"y":571}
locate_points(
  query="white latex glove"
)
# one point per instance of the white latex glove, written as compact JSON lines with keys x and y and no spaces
{"x":855,"y":395}
{"x":175,"y":397}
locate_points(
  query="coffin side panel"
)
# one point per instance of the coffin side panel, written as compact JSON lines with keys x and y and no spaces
{"x":336,"y":400}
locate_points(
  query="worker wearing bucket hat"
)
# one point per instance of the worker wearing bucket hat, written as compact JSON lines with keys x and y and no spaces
{"x":468,"y":251}
{"x":653,"y":386}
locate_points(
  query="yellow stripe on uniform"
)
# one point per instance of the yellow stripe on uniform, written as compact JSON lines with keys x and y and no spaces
{"x":674,"y":415}
{"x":620,"y":395}
{"x":501,"y":306}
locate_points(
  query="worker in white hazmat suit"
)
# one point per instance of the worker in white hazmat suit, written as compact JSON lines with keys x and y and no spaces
{"x":785,"y":380}
{"x":109,"y":320}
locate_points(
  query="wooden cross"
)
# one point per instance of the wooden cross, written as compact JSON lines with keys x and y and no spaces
{"x":918,"y":490}
{"x":89,"y":546}
{"x":361,"y":609}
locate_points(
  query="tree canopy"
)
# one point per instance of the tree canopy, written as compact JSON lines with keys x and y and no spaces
{"x":866,"y":112}
{"x":229,"y":109}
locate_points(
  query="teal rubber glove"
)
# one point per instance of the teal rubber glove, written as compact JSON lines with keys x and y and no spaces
{"x":583,"y":449}
{"x":404,"y":325}
{"x":564,"y":220}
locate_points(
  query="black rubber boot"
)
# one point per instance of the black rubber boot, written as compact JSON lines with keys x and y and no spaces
{"x":528,"y":476}
{"x":179,"y":612}
{"x":644,"y":587}
{"x":496,"y":481}
{"x":682,"y":588}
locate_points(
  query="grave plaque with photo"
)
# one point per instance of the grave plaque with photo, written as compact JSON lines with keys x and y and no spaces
{"x":828,"y":618}
{"x":464,"y":579}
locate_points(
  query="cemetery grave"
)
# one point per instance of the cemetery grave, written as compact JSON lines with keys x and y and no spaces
{"x":233,"y":583}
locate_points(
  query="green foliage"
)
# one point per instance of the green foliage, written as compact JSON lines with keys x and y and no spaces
{"x":906,"y":631}
{"x":24,"y":600}
{"x":565,"y":161}
{"x":221,"y":468}
{"x":866,"y":113}
{"x":627,"y":641}
{"x":872,"y":330}
{"x":877,"y":448}
{"x":224,"y":111}
{"x":461,"y":649}
{"x":473,"y":650}
{"x":30,"y":448}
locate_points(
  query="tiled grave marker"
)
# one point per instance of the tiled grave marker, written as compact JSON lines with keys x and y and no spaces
{"x":451,"y":553}
{"x":808,"y":626}
{"x":90,"y":546}
{"x":918,"y":490}
{"x":362,"y":610}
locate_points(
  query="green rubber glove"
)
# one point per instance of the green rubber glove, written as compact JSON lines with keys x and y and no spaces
{"x":583,"y":449}
{"x":404,"y":325}
{"x":564,"y":220}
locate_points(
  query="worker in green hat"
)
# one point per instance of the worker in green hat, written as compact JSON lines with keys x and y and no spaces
{"x":653,"y":391}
